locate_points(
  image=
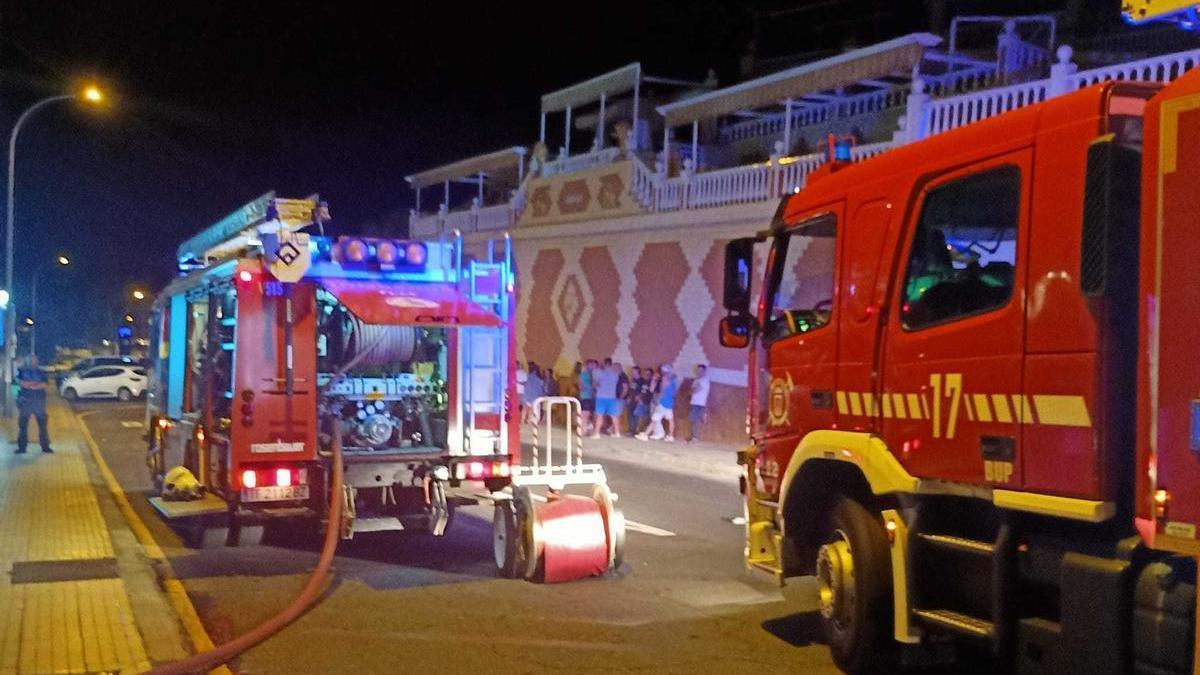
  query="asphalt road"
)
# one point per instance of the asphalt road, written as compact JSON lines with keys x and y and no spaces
{"x":682,"y":602}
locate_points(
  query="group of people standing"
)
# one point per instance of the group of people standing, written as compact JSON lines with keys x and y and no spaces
{"x":639,"y":402}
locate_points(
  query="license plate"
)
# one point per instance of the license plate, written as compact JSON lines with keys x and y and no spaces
{"x":275,"y":493}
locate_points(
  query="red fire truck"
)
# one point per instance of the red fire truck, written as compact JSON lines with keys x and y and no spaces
{"x":975,"y":395}
{"x":273,"y":342}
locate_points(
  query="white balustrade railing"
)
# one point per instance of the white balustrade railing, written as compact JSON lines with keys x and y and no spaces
{"x":424,"y":227}
{"x":581,"y":162}
{"x":735,"y":185}
{"x":956,"y":111}
{"x":782,"y":175}
{"x":642,"y":182}
{"x":498,"y":217}
{"x":1155,"y":69}
{"x":463,"y":221}
{"x":808,"y":115}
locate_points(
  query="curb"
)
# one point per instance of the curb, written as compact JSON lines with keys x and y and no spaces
{"x":171,"y":585}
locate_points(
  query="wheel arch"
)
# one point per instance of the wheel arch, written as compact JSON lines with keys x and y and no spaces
{"x":826,"y":464}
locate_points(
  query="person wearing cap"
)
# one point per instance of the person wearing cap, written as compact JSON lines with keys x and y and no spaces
{"x":31,"y":401}
{"x":662,"y":420}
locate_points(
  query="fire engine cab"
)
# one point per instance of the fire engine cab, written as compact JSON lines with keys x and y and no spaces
{"x":975,"y":391}
{"x":276,"y":341}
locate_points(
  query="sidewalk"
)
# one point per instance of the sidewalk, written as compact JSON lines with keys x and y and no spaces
{"x":77,"y":593}
{"x":702,"y":460}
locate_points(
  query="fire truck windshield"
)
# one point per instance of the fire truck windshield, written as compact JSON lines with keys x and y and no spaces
{"x":802,"y":279}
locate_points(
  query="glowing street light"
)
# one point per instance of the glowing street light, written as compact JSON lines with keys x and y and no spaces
{"x":64,"y":260}
{"x":90,"y":94}
{"x":29,"y":321}
{"x":128,"y":318}
{"x":139,"y":295}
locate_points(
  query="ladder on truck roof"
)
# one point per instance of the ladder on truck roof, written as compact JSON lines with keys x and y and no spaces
{"x":483,"y":363}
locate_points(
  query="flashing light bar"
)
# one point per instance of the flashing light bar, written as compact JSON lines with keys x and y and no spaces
{"x":480,"y":469}
{"x":386,"y":254}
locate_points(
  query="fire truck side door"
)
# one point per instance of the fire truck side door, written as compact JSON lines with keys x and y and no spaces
{"x":954,"y":342}
{"x":800,"y":337}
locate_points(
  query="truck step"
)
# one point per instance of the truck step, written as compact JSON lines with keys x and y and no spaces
{"x":950,"y":542}
{"x":956,"y":622}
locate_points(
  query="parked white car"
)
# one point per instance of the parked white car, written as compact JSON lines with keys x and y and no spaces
{"x":122,"y":382}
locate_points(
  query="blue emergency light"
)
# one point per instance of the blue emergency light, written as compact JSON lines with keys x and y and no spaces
{"x":124,"y":332}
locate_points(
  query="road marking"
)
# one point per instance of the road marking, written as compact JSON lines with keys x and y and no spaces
{"x":630,"y":525}
{"x":131,"y":424}
{"x":641,"y":528}
{"x":176,"y":592}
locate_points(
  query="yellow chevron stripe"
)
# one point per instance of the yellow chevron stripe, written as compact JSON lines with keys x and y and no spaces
{"x":898,"y":403}
{"x":886,"y":399}
{"x":982,"y":408}
{"x":1003,"y":412}
{"x":869,"y":404}
{"x":969,"y":408}
{"x":1067,"y":411}
{"x":1021,"y":407}
{"x":855,"y":404}
{"x":914,"y":406}
{"x":843,"y":407}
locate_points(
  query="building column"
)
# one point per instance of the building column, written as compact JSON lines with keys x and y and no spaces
{"x":787,"y":125}
{"x":695,"y":144}
{"x":567,"y":142}
{"x":599,"y":142}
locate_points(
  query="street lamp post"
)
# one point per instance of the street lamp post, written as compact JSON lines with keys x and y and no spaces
{"x":62,"y":261}
{"x":90,"y":94}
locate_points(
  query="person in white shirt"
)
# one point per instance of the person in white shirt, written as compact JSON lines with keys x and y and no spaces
{"x":698,"y":410}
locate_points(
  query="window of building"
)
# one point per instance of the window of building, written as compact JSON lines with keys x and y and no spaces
{"x":964,"y":251}
{"x":803,"y":279}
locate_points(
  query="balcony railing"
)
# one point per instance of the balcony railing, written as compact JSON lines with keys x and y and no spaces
{"x":779,"y":176}
{"x":580,"y":162}
{"x":473,"y":219}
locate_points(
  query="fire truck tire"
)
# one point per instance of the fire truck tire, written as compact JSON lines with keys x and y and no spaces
{"x":199,"y":533}
{"x":855,"y":596}
{"x":246,"y":535}
{"x":70,"y":394}
{"x":123,"y":394}
{"x":506,"y":539}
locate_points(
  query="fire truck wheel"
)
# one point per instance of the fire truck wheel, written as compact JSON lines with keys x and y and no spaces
{"x":245,"y":535}
{"x":506,"y":539}
{"x":855,"y":596}
{"x":123,"y":394}
{"x":70,"y":394}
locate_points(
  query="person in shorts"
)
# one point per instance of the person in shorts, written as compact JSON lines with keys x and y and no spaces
{"x":662,"y":420}
{"x":606,"y":379}
{"x":698,"y":410}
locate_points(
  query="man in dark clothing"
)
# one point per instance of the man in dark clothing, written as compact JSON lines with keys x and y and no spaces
{"x":32,"y":401}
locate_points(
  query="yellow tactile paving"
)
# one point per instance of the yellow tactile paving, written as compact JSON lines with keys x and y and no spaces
{"x":49,"y":512}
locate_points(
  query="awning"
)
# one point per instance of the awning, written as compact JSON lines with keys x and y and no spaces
{"x":611,"y":83}
{"x":470,"y":167}
{"x":399,"y":303}
{"x":894,"y":57}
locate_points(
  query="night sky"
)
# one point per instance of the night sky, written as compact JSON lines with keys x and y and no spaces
{"x":217,"y":102}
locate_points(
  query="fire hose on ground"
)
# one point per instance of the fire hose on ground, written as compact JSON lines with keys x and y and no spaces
{"x":206,"y":661}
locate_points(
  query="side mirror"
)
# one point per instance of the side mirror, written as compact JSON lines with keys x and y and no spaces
{"x":735,"y":331}
{"x":739,"y":265}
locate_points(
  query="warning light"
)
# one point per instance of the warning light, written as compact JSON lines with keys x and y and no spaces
{"x":283,"y":477}
{"x":355,"y":251}
{"x":475,"y":470}
{"x":245,"y":276}
{"x":416,"y":254}
{"x":387,"y":253}
{"x":890,"y":527}
{"x":1161,"y":499}
{"x":249,"y":479}
{"x":164,"y":423}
